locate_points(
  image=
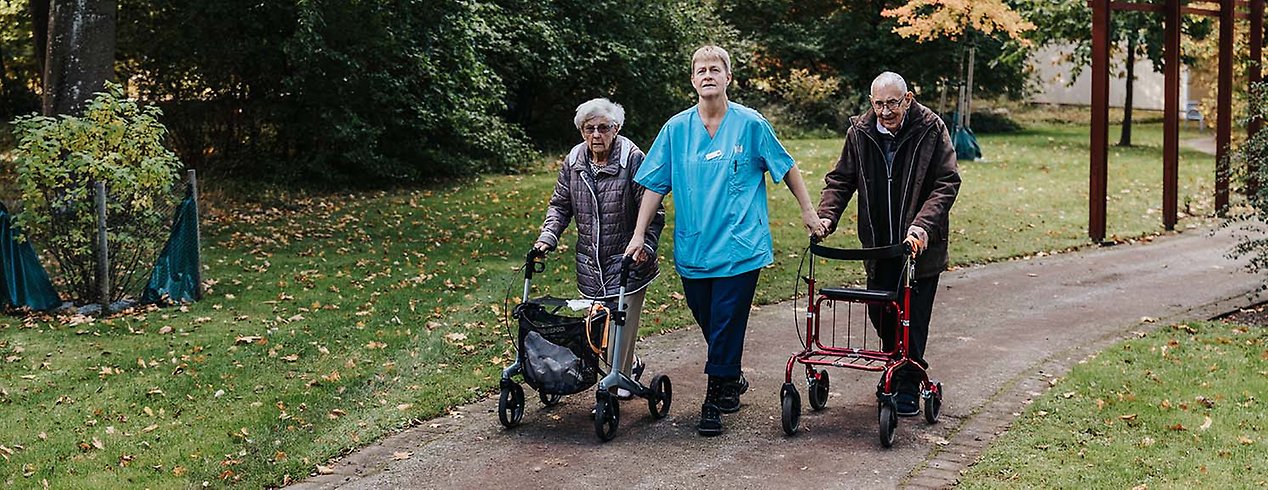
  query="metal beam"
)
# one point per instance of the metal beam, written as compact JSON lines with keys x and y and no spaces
{"x":1224,"y":105}
{"x":1098,"y":168}
{"x":1171,"y":114}
{"x":1186,"y":10}
{"x":1256,"y":75}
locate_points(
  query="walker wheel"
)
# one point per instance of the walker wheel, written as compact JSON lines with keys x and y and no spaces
{"x":791,"y":403}
{"x":549,"y":400}
{"x":933,"y":403}
{"x":661,"y":397}
{"x":888,"y":419}
{"x":607,"y":415}
{"x":510,"y":404}
{"x":818,"y":390}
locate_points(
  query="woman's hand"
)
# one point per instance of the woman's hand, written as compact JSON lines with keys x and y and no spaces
{"x":541,"y":247}
{"x":814,"y":225}
{"x":635,"y":249}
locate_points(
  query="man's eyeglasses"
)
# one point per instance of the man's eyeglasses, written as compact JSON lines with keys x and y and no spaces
{"x":602,"y":128}
{"x":891,"y":104}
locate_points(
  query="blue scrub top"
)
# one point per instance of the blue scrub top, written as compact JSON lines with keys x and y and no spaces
{"x":721,"y":224}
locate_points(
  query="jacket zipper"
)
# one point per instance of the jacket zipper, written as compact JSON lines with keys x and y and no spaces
{"x":590,"y":183}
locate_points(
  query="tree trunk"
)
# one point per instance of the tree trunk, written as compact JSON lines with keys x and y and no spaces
{"x":80,"y":57}
{"x":1125,"y":138}
{"x":39,"y":31}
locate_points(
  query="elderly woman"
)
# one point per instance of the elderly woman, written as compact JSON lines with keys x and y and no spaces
{"x":596,"y":187}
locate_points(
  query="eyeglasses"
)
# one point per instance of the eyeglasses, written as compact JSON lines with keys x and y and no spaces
{"x":891,"y":104}
{"x":602,"y":129}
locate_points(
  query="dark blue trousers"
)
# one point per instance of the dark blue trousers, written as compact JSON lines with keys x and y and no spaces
{"x":721,"y":306}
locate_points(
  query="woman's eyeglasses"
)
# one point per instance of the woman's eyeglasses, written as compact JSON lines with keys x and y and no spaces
{"x":602,"y":128}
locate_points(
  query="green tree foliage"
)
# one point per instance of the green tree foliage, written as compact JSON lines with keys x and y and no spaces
{"x":1249,"y":168}
{"x":389,"y":92}
{"x":848,"y":43}
{"x":554,"y":55}
{"x":57,"y":161}
{"x":341,"y":92}
{"x":18,"y":69}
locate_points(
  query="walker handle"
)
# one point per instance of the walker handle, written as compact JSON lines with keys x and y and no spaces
{"x":627,"y":263}
{"x":534,"y":262}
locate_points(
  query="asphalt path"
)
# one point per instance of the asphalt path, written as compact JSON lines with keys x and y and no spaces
{"x":1001,"y":333}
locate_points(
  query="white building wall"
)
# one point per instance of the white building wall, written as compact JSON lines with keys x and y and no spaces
{"x":1053,"y":75}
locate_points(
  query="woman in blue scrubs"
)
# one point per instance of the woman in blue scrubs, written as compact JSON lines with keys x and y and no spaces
{"x":713,"y":157}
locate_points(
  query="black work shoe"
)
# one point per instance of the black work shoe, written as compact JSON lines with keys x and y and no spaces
{"x":907,"y":404}
{"x":729,"y":401}
{"x":710,"y":420}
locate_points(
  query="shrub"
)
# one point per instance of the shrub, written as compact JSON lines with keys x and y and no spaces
{"x":1249,"y":169}
{"x":58,"y":160}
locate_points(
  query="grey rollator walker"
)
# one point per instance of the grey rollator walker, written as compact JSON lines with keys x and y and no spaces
{"x":607,"y":407}
{"x":557,"y":356}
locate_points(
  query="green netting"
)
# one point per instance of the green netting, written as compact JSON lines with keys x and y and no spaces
{"x":966,"y":147}
{"x":175,"y":276}
{"x":25,"y":281}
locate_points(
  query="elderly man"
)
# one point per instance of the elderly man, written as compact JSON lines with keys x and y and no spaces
{"x":900,"y":159}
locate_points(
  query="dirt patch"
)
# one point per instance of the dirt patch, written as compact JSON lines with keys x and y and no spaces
{"x":1254,"y":316}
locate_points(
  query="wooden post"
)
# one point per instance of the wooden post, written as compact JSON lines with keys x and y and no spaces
{"x":1224,"y":105}
{"x":968,"y":97}
{"x":1099,"y":170}
{"x":198,"y":235}
{"x":1171,"y":114}
{"x":103,"y":253}
{"x":1256,"y":76}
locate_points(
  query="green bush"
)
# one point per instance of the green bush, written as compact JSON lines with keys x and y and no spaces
{"x":58,"y":160}
{"x":1249,"y":170}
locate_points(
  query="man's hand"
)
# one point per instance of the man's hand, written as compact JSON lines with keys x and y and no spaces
{"x":541,"y":247}
{"x":917,"y":246}
{"x":825,"y":224}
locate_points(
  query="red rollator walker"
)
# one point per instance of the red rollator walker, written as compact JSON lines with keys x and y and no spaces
{"x":852,"y":355}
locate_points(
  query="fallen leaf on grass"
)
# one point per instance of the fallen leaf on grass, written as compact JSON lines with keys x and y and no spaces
{"x":250,"y":339}
{"x":1206,"y":424}
{"x":1246,"y":441}
{"x":456,"y":336}
{"x":1177,"y":427}
{"x":325,"y":470}
{"x":1128,"y":417}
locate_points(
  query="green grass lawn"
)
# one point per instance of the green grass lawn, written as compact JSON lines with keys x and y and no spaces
{"x":1182,"y":407}
{"x":334,"y":319}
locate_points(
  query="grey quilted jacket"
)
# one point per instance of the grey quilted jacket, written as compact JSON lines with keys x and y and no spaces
{"x":604,"y":205}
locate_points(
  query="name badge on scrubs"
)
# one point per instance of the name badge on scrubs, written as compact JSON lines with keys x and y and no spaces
{"x":713,"y":155}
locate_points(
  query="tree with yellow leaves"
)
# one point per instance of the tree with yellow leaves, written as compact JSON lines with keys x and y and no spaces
{"x":929,"y":20}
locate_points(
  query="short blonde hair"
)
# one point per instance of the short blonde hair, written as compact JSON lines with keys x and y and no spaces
{"x":711,"y":52}
{"x":600,"y":107}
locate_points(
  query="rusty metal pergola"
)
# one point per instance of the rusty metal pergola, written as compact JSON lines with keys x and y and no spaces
{"x":1172,"y":11}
